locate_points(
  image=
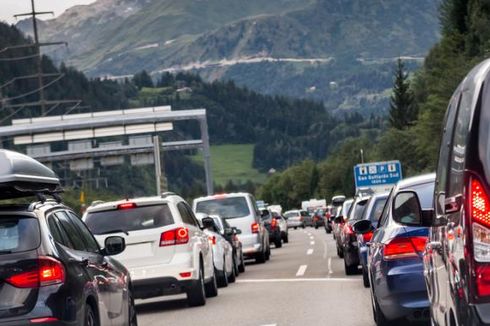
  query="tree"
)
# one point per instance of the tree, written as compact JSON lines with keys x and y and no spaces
{"x":142,"y":79}
{"x":403,"y":111}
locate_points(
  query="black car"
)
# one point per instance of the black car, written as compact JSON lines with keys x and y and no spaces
{"x":272,"y":226}
{"x":457,"y":258}
{"x":52,"y":271}
{"x":231,"y":235}
{"x":348,"y":237}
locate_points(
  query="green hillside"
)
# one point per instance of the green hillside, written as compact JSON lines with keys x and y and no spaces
{"x":232,"y":162}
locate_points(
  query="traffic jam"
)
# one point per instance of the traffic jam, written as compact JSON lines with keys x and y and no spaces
{"x":412,"y":250}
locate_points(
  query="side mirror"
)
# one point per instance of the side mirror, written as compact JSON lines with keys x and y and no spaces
{"x":237,"y":231}
{"x":338,"y":219}
{"x":200,"y":217}
{"x":207,"y":223}
{"x":363,"y":226}
{"x":407,"y":210}
{"x":114,"y":245}
{"x":264,"y":213}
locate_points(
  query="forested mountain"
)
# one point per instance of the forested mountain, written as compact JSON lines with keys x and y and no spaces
{"x":465,"y":28}
{"x":283,"y":130}
{"x":336,"y":51}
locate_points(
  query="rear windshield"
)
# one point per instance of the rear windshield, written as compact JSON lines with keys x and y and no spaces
{"x":134,"y":219}
{"x":358,"y":210}
{"x":227,"y":207}
{"x":291,"y":214}
{"x":18,"y":234}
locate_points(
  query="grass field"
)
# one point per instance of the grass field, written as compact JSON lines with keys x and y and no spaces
{"x":232,"y":162}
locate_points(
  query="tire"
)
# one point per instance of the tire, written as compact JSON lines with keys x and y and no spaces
{"x":278,"y":242}
{"x":303,"y":226}
{"x":133,"y":319}
{"x":196,"y":294}
{"x":365,"y":277}
{"x":286,"y":238}
{"x":295,"y":227}
{"x":260,"y":257}
{"x":268,"y":253}
{"x":235,"y":266}
{"x":329,"y":230}
{"x":350,"y":269}
{"x":316,"y":226}
{"x":90,"y":316}
{"x":241,"y":267}
{"x":211,"y":288}
{"x":340,"y":253}
{"x":379,"y":317}
{"x":222,"y":276}
{"x":232,"y":277}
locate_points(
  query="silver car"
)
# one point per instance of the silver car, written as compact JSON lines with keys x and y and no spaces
{"x":240,"y":211}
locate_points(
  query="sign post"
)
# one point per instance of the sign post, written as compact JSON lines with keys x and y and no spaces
{"x":379,"y":176}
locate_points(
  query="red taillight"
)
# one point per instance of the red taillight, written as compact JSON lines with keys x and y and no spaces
{"x":212,"y":239}
{"x":367,"y":236}
{"x":404,"y":247}
{"x":185,"y":274}
{"x":273,"y":223}
{"x":126,"y":206}
{"x":174,"y":237}
{"x":44,"y":320}
{"x":479,"y":204}
{"x":255,"y":228}
{"x":348,"y":229}
{"x":49,"y":272}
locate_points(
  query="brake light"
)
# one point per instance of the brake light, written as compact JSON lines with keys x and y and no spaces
{"x":185,"y":274}
{"x":49,"y":272}
{"x":174,"y":237}
{"x":255,"y":228}
{"x":273,"y":223}
{"x":348,"y":229}
{"x":126,"y":206}
{"x":404,"y":247}
{"x":212,"y":239}
{"x":367,"y":236}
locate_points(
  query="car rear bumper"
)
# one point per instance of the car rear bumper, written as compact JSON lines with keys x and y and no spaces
{"x":401,"y":292}
{"x":294,"y":224}
{"x":156,"y":287}
{"x":181,"y":263}
{"x":28,"y":322}
{"x":252,"y":250}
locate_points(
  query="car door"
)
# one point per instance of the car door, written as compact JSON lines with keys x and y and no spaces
{"x":94,"y":267}
{"x":116,"y":277}
{"x":434,"y":261}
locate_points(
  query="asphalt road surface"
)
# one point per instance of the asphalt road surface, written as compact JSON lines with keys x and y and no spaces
{"x":303,"y":284}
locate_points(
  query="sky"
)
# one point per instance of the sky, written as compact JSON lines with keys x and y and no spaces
{"x":8,"y":8}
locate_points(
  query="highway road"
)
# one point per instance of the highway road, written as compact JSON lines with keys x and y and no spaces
{"x":303,"y":284}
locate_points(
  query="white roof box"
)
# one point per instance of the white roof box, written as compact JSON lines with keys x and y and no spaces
{"x":22,"y":176}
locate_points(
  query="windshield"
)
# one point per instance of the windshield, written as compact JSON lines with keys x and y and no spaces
{"x":139,"y":218}
{"x":233,"y":207}
{"x":18,"y":234}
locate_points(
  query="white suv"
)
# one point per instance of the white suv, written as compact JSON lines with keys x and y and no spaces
{"x":240,"y":210}
{"x":166,"y":253}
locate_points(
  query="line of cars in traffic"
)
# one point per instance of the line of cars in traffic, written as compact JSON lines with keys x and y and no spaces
{"x":57,"y":268}
{"x":424,"y":247}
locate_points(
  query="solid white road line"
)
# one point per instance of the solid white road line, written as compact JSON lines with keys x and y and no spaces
{"x":270,"y":325}
{"x":330,"y":271}
{"x":312,"y":243}
{"x":302,"y":270}
{"x":289,"y":280}
{"x":309,"y":252}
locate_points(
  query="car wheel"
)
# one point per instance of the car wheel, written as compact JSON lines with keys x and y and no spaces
{"x":90,"y":317}
{"x":278,"y":242}
{"x":133,"y":319}
{"x":196,"y":294}
{"x":316,"y":226}
{"x":286,"y":238}
{"x":235,"y":266}
{"x":268,"y":253}
{"x":222,"y":276}
{"x":329,"y":230}
{"x":340,"y":253}
{"x":378,"y":315}
{"x":295,"y":227}
{"x":350,"y":269}
{"x":260,"y":257}
{"x":304,"y":226}
{"x":232,"y":277}
{"x":241,"y":267}
{"x":365,"y":277}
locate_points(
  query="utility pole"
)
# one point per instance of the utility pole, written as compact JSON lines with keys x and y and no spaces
{"x":37,"y":48}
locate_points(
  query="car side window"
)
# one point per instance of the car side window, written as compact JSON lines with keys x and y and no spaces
{"x":191,"y":213}
{"x":386,"y":210}
{"x":90,"y":242}
{"x":184,"y":213}
{"x":71,"y":231}
{"x":57,"y":232}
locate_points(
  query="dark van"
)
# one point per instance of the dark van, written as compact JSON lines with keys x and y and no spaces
{"x":457,"y":256}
